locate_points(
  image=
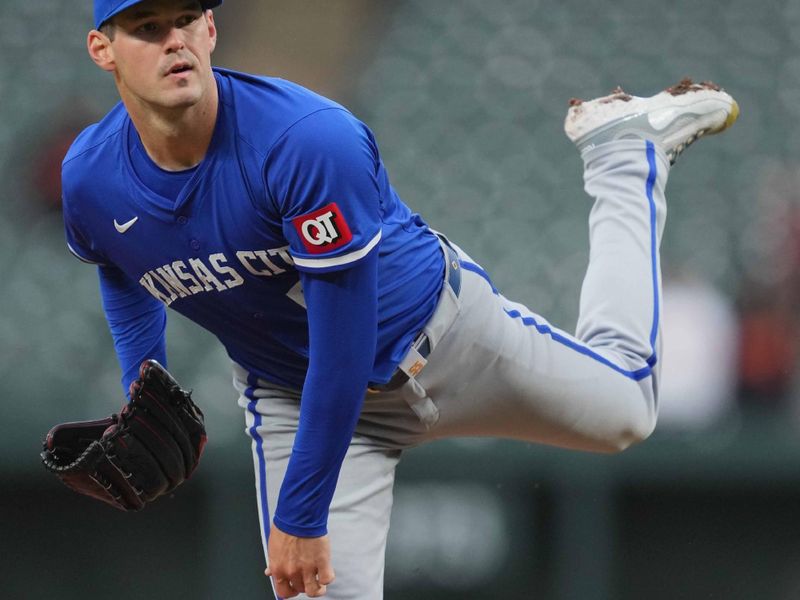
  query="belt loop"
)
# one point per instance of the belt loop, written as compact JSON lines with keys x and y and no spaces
{"x":414,"y":361}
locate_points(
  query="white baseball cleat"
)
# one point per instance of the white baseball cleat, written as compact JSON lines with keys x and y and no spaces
{"x":672,"y":119}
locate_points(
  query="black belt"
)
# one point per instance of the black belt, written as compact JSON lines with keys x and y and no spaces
{"x":421,"y":343}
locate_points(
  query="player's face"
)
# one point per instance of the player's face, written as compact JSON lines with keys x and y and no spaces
{"x":160,"y":53}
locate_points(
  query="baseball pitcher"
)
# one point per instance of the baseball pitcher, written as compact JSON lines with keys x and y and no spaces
{"x":263,"y":212}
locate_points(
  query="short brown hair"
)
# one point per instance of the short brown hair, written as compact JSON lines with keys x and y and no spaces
{"x":108,"y":29}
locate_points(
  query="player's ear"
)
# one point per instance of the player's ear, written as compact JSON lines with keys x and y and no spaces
{"x":99,"y":46}
{"x":212,"y":30}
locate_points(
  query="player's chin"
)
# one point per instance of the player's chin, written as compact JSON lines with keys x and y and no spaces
{"x":181,"y":97}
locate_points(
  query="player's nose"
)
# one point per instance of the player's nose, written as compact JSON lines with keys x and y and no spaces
{"x":173,"y":41}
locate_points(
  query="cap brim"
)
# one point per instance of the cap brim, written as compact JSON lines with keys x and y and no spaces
{"x":126,"y":4}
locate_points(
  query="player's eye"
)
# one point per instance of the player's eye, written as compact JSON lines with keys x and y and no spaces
{"x":187,"y":20}
{"x":148,"y":28}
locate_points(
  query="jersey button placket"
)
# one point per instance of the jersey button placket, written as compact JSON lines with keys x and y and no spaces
{"x":194,"y":244}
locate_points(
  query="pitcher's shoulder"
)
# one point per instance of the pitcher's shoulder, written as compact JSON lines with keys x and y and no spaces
{"x":98,"y":135}
{"x":267,"y":107}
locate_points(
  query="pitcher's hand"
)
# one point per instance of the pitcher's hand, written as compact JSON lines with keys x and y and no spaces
{"x":299,"y":565}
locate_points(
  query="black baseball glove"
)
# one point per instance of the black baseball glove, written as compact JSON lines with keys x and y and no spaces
{"x":132,"y":458}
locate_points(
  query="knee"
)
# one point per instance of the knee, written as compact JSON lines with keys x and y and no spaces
{"x":637,"y":429}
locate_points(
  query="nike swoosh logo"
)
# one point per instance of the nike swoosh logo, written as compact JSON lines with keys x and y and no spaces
{"x":125,"y":226}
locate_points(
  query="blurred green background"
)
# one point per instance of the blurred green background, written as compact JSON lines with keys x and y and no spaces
{"x":467,"y":99}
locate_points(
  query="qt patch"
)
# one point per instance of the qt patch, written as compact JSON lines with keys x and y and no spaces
{"x":323,"y":230}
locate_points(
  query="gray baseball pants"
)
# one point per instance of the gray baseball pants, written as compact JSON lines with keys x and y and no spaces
{"x":498,"y":369}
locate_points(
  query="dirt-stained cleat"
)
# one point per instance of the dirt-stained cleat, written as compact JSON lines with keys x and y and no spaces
{"x":672,"y":119}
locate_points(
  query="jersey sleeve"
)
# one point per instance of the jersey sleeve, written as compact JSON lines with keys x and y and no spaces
{"x":137,"y":322}
{"x":78,"y":242}
{"x":343,"y":317}
{"x":322,"y":177}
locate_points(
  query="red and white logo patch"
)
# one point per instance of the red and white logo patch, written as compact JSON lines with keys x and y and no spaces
{"x":323,"y":230}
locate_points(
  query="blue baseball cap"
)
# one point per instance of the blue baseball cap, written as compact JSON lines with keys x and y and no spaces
{"x":105,"y":9}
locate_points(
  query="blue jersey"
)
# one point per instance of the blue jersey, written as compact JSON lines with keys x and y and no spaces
{"x":226,"y":250}
{"x":291,"y":193}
